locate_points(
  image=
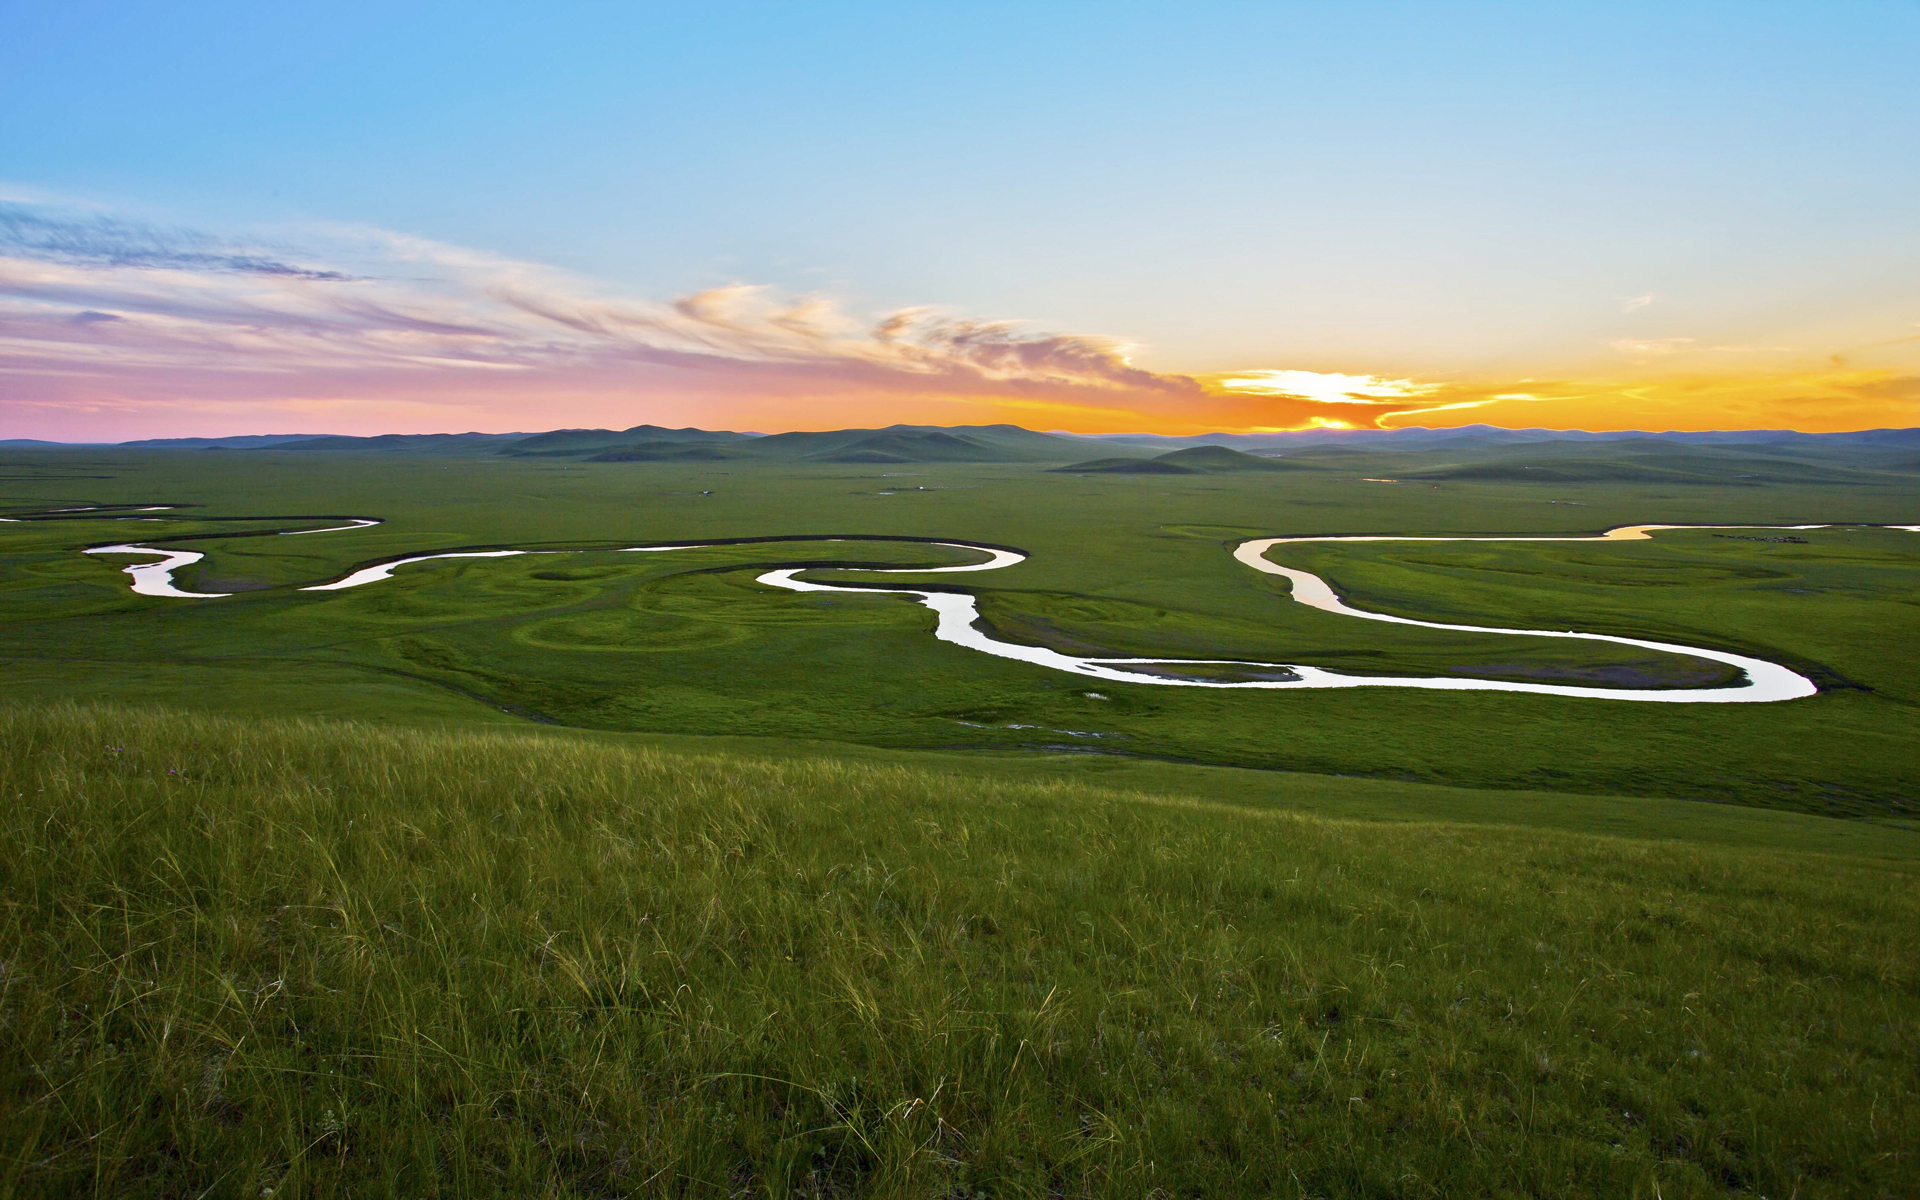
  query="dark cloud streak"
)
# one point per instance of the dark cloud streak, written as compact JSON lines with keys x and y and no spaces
{"x":109,"y":242}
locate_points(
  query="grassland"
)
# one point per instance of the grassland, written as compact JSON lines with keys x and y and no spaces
{"x":687,"y":645}
{"x":629,"y":876}
{"x":252,"y":957}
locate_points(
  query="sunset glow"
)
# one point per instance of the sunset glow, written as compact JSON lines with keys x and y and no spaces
{"x":1327,"y":387}
{"x":111,"y":325}
{"x":881,"y":252}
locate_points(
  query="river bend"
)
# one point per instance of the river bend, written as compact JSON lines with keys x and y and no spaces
{"x":958,"y":617}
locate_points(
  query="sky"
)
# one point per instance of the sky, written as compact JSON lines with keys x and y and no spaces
{"x":1111,"y":217}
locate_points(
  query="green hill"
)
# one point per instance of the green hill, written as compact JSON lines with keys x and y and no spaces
{"x":911,"y":445}
{"x":666,"y":452}
{"x":916,"y":443}
{"x":660,"y":433}
{"x":296,"y":958}
{"x":645,"y":442}
{"x":1333,"y":451}
{"x":417,"y":443}
{"x":1644,"y":460}
{"x":566,"y":441}
{"x":1125,"y":466}
{"x":1194,"y":460}
{"x":1221,"y":458}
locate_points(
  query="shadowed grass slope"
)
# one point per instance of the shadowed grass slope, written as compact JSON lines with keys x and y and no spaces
{"x":318,"y":958}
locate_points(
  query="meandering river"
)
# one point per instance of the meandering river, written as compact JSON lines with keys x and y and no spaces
{"x":958,"y":617}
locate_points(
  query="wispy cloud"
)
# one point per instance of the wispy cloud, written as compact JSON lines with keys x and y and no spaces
{"x":98,"y":240}
{"x":139,"y":308}
{"x":1649,"y":347}
{"x":116,"y":327}
{"x":1327,"y":387}
{"x":1333,"y":399}
{"x":99,"y":310}
{"x":1631,"y":303}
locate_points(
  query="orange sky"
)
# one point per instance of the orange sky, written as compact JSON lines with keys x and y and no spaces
{"x":111,"y":331}
{"x":1166,"y":218}
{"x":102,"y":406}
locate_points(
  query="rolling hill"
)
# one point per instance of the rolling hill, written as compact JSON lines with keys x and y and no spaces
{"x":911,"y":445}
{"x":917,"y":443}
{"x":894,"y":444}
{"x":417,"y":443}
{"x":667,"y":452}
{"x":1644,"y":460}
{"x":1423,"y":438}
{"x":1873,"y":449}
{"x":600,"y":443}
{"x":1193,"y":460}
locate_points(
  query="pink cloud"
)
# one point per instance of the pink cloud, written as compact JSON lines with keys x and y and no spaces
{"x":102,"y":314}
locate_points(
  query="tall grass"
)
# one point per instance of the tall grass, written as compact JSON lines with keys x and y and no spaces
{"x":274,"y":957}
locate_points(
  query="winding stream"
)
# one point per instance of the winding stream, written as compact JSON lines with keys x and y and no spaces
{"x":156,"y":579}
{"x":958,"y":615}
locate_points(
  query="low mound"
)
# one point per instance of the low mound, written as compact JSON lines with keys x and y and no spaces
{"x":563,"y":441}
{"x":907,"y":445}
{"x":1334,"y":451}
{"x":1221,"y":458}
{"x":670,"y":452}
{"x":660,"y":433}
{"x":1126,"y":466}
{"x":273,"y":955}
{"x":642,"y":443}
{"x":916,"y":443}
{"x":426,"y":442}
{"x":1194,"y":460}
{"x":1557,"y":472}
{"x":1638,"y":461}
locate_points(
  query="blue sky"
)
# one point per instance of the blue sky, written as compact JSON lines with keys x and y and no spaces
{"x":1455,"y":193}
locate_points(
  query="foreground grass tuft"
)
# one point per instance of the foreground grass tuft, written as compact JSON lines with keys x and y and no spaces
{"x":318,"y":958}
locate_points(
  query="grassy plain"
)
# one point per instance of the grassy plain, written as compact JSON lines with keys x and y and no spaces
{"x":263,"y":956}
{"x":686,"y":644}
{"x":631,"y":876}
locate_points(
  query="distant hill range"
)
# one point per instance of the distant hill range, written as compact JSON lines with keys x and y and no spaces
{"x":1650,"y":460}
{"x":1465,"y":436}
{"x":654,"y":443}
{"x":1194,"y":460}
{"x":1473,"y":452}
{"x":307,"y":441}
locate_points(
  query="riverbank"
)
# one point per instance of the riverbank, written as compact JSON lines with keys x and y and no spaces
{"x":1756,"y":680}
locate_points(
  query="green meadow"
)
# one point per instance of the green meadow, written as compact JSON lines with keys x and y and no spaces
{"x":268,"y":956}
{"x":687,"y":644}
{"x":621,"y":874}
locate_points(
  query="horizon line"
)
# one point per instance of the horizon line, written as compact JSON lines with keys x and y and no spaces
{"x":1315,"y":431}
